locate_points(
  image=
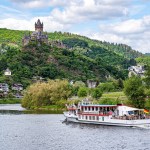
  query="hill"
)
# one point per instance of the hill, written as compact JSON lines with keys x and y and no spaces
{"x":81,"y":58}
{"x":144,"y":60}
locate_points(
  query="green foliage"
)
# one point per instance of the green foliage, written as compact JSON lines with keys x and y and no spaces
{"x":83,"y":58}
{"x":144,"y":60}
{"x":96,"y":93}
{"x":147,"y":104}
{"x":10,"y":101}
{"x":107,"y":87}
{"x":82,"y":92}
{"x":109,"y":101}
{"x":134,"y":90}
{"x":147,"y":77}
{"x":43,"y":94}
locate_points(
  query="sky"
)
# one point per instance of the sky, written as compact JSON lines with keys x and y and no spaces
{"x":118,"y":21}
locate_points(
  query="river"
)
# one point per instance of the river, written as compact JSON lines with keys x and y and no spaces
{"x":19,"y":131}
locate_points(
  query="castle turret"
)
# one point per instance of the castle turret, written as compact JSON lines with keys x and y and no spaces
{"x":38,"y":26}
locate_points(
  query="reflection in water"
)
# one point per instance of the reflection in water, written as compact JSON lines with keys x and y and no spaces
{"x":16,"y":112}
{"x":49,"y":132}
{"x":17,"y":109}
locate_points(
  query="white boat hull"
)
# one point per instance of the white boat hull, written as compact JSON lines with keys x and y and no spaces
{"x":110,"y":122}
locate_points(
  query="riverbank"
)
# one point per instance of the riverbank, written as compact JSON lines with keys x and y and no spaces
{"x":53,"y":108}
{"x":10,"y":101}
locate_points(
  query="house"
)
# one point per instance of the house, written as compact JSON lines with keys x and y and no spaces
{"x":7,"y":72}
{"x":17,"y":87}
{"x":92,"y":83}
{"x":136,"y":70}
{"x":4,"y":87}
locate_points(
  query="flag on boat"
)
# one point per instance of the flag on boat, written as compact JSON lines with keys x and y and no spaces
{"x":146,"y":111}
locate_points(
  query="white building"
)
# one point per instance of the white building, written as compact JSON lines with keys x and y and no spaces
{"x":136,"y":70}
{"x":4,"y":87}
{"x":7,"y":72}
{"x":92,"y":83}
{"x":17,"y":87}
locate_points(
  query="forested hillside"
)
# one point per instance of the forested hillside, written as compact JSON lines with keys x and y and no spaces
{"x":144,"y":60}
{"x":81,"y":59}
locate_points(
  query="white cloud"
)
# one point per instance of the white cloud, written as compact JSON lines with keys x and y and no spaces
{"x":91,"y":10}
{"x":134,"y":32}
{"x":21,"y":24}
{"x":30,"y":4}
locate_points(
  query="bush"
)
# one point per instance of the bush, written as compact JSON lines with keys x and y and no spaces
{"x":82,"y":92}
{"x":96,"y":93}
{"x":107,"y":87}
{"x":109,"y":101}
{"x":43,"y":94}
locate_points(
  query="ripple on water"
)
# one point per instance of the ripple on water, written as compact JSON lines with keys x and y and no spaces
{"x":47,"y":132}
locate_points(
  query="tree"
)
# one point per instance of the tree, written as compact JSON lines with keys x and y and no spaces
{"x":43,"y":94}
{"x":96,"y":93}
{"x":107,"y":87}
{"x":147,"y":77}
{"x":134,"y":90}
{"x":82,"y":92}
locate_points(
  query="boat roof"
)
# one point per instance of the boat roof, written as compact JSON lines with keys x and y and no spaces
{"x":127,"y":108}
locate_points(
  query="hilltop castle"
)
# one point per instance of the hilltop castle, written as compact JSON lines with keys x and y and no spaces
{"x":37,"y":36}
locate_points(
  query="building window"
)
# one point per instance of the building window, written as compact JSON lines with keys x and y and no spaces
{"x":86,"y":117}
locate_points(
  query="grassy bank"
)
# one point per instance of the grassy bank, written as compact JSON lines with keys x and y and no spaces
{"x":53,"y":108}
{"x":114,"y":98}
{"x":10,"y":101}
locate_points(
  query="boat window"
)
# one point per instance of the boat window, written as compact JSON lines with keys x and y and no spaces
{"x":93,"y":108}
{"x":102,"y":118}
{"x":107,"y":108}
{"x":89,"y":108}
{"x":93,"y":117}
{"x":89,"y":117}
{"x":97,"y":118}
{"x":86,"y":117}
{"x":85,"y":108}
{"x":96,"y":108}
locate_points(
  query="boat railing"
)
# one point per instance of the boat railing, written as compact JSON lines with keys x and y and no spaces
{"x":132,"y":117}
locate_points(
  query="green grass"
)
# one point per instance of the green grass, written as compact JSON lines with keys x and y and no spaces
{"x":115,"y":95}
{"x":10,"y":101}
{"x":114,"y":98}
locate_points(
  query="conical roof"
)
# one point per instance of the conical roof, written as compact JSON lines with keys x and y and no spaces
{"x":38,"y":22}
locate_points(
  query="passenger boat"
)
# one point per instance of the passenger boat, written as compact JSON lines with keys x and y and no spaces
{"x":114,"y":115}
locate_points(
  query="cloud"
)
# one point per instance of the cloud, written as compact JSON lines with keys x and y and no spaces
{"x":132,"y":26}
{"x":22,"y":24}
{"x":133,"y":32}
{"x":30,"y":4}
{"x":91,"y":10}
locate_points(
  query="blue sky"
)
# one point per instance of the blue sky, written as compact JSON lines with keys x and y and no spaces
{"x":118,"y":21}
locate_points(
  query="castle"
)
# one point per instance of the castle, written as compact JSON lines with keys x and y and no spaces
{"x":37,"y":36}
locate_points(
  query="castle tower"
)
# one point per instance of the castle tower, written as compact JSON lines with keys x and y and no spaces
{"x":38,"y":26}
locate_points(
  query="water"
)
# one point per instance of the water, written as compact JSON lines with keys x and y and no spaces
{"x":47,"y":132}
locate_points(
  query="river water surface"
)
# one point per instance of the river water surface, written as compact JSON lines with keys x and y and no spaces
{"x":19,"y":131}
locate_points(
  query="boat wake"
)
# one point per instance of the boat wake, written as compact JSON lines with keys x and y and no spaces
{"x":145,"y":126}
